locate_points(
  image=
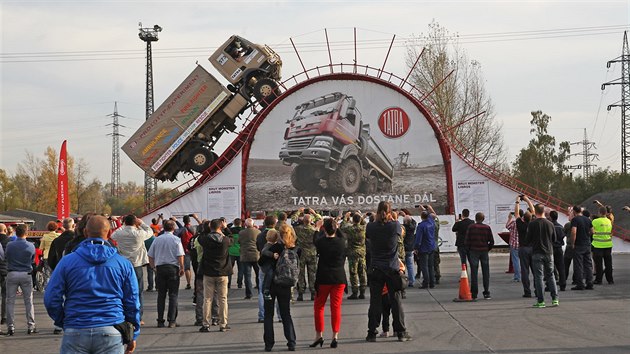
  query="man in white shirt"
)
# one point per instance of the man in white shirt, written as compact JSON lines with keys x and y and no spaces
{"x":130,"y":238}
{"x":166,"y":256}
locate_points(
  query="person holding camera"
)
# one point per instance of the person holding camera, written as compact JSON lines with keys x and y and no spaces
{"x":130,"y":239}
{"x":384,"y":268}
{"x":513,"y":241}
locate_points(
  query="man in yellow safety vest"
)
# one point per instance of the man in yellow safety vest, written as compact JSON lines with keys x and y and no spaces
{"x":602,"y":247}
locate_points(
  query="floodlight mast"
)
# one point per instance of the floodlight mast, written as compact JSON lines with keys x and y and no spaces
{"x":148,"y":35}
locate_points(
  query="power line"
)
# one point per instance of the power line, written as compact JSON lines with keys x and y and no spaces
{"x":317,"y":46}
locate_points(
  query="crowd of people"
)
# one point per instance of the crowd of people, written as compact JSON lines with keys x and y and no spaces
{"x":95,"y":291}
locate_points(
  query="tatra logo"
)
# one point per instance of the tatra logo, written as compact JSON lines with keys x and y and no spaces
{"x":394,"y":122}
{"x":62,"y":167}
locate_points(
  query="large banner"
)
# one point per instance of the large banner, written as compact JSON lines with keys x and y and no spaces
{"x":345,"y":145}
{"x":63,"y":203}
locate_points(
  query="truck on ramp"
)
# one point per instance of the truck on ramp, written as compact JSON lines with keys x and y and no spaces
{"x":180,"y":135}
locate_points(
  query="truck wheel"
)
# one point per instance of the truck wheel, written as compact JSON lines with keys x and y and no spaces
{"x":346,"y":178}
{"x":266,"y":90}
{"x":200,"y":159}
{"x":387,"y":186}
{"x":302,"y":179}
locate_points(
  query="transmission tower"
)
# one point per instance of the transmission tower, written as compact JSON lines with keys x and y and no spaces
{"x":148,"y":35}
{"x":624,"y":103}
{"x":115,"y":185}
{"x":588,"y":157}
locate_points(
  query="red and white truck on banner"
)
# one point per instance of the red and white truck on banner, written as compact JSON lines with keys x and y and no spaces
{"x":180,"y":135}
{"x":327,"y":140}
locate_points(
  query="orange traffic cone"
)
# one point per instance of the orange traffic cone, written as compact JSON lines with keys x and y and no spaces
{"x":464,"y":287}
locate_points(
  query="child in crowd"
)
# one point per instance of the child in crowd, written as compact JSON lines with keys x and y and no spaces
{"x":267,"y":261}
{"x":386,"y":306}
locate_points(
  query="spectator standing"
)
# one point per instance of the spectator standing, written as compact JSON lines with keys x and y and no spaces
{"x":410,"y":237}
{"x":186,"y":233}
{"x":384,"y":234}
{"x":540,"y":234}
{"x":460,"y":227}
{"x":513,"y":242}
{"x":20,"y":257}
{"x":92,"y":290}
{"x":150,"y":273}
{"x":59,"y":243}
{"x":330,"y":281}
{"x":166,"y":256}
{"x":308,"y":258}
{"x":130,"y":239}
{"x":524,"y":248}
{"x":558,"y":257}
{"x":479,"y":242}
{"x":581,"y":229}
{"x":602,"y":246}
{"x":46,"y":242}
{"x":249,"y":253}
{"x":4,"y":239}
{"x":355,"y":235}
{"x":261,"y":240}
{"x":235,"y":253}
{"x":215,"y":267}
{"x":282,"y":293}
{"x":425,"y":246}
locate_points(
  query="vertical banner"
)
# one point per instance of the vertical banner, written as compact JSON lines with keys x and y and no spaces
{"x":63,"y":204}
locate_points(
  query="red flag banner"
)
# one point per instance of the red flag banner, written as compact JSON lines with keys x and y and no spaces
{"x":63,"y":203}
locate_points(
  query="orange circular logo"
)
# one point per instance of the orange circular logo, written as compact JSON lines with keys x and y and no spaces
{"x":394,"y":122}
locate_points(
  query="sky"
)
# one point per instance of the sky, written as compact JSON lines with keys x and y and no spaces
{"x":63,"y":64}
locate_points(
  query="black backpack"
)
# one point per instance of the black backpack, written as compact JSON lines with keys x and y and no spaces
{"x":287,"y":268}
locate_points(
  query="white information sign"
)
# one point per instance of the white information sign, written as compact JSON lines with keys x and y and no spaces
{"x":224,"y":201}
{"x":474,"y":196}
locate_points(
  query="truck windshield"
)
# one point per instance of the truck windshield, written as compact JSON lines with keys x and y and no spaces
{"x":308,"y":110}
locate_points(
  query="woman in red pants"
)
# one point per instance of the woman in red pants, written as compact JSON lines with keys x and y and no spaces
{"x":329,"y":280}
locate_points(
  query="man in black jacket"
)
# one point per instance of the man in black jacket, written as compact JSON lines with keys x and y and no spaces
{"x":460,"y":227}
{"x":540,"y":235}
{"x":4,"y":239}
{"x":59,"y":244}
{"x":216,"y":268}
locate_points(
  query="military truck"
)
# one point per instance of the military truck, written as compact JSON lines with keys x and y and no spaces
{"x":327,"y":140}
{"x":180,"y":135}
{"x":251,"y":69}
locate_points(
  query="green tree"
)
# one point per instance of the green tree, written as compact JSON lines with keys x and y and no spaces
{"x":541,"y":164}
{"x":457,"y":97}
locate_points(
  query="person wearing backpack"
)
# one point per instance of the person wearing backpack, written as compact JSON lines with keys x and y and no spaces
{"x":330,"y":280}
{"x":286,"y":264}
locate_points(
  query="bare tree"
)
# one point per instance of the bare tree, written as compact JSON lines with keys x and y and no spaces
{"x":453,"y":87}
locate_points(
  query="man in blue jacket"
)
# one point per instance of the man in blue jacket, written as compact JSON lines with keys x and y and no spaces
{"x":90,"y":291}
{"x":425,"y":245}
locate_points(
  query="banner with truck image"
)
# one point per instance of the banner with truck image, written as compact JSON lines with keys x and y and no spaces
{"x":345,"y":145}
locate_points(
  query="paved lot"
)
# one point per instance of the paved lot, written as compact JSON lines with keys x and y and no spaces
{"x":585,"y":322}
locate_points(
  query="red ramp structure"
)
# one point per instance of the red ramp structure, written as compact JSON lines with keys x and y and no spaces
{"x":345,"y":137}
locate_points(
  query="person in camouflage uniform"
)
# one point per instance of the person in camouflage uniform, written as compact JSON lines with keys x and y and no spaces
{"x":308,"y":258}
{"x":355,"y":232}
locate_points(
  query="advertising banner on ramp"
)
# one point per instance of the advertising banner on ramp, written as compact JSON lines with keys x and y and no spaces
{"x":345,"y":145}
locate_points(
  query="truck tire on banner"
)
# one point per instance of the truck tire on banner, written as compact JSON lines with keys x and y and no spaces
{"x":266,"y":90}
{"x":302,"y":178}
{"x":346,"y":178}
{"x":200,"y":159}
{"x":372,"y":185}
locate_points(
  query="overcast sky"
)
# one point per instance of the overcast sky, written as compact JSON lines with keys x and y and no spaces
{"x":65,"y":63}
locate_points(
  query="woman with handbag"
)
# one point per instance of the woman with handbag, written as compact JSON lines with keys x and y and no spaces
{"x":330,"y":280}
{"x":280,"y":291}
{"x":384,"y":233}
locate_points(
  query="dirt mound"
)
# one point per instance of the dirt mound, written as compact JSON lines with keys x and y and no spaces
{"x":617,"y":200}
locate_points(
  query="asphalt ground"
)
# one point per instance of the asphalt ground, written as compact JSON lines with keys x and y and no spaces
{"x":596,"y":321}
